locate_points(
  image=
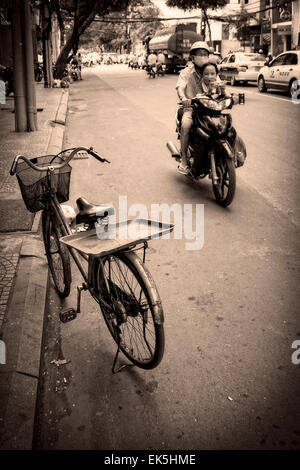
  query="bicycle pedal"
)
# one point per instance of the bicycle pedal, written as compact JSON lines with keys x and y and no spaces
{"x":67,"y":315}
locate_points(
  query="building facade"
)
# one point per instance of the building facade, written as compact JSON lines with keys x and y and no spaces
{"x":270,"y":25}
{"x":281,"y":33}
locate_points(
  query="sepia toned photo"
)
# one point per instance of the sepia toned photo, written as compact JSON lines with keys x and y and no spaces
{"x":149,"y":228}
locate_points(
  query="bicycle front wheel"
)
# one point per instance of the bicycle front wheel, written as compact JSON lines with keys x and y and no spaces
{"x":131,"y":308}
{"x":57,"y":254}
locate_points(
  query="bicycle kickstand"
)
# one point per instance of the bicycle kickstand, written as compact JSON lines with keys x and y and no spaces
{"x":114,"y":371}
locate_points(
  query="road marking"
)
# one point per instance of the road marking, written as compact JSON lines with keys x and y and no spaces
{"x":270,"y":96}
{"x":256,"y":93}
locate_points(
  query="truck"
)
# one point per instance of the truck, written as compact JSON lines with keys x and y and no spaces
{"x":175,"y":43}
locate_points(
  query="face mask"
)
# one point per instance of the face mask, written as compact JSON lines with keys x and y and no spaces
{"x":200,"y":60}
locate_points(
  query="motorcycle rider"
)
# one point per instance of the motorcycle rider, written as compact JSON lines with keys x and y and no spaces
{"x":161,"y":60}
{"x":189,"y":84}
{"x":152,"y":60}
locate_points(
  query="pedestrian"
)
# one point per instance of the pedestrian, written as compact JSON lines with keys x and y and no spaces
{"x":269,"y":59}
{"x":79,"y":62}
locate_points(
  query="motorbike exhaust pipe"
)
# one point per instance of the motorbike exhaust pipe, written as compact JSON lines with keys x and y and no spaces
{"x":173,"y":149}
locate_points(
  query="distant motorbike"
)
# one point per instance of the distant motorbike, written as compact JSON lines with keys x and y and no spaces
{"x":38,"y":72}
{"x":151,"y":71}
{"x":74,"y":72}
{"x":161,"y":70}
{"x":7,"y":75}
{"x":133,"y":65}
{"x":214,"y":147}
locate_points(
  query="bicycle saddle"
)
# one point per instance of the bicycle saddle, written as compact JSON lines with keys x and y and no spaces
{"x":89,"y":212}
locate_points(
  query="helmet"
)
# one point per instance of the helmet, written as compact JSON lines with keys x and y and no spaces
{"x":199,"y":45}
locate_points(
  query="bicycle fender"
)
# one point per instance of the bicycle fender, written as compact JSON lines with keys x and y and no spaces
{"x":226,"y":147}
{"x":94,"y":266}
{"x":150,"y":286}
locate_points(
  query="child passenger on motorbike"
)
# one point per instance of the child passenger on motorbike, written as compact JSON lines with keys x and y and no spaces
{"x":212,"y":88}
{"x":210,"y":83}
{"x":189,"y":84}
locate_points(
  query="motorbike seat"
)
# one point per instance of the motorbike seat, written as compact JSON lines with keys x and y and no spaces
{"x":90,"y":212}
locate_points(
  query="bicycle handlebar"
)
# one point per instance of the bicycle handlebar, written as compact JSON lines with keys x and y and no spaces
{"x":90,"y":151}
{"x":236,"y":98}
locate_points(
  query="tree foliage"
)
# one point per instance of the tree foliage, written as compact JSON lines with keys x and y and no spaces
{"x":83,"y":13}
{"x":203,"y":5}
{"x":78,"y":16}
{"x":115,"y":35}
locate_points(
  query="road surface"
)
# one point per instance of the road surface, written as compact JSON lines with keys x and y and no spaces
{"x":227,"y":380}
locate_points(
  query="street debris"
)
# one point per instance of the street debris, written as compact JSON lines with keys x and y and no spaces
{"x":229,"y":398}
{"x":60,"y":362}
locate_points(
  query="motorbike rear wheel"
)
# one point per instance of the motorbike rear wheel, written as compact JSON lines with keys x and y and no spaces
{"x":224,"y":190}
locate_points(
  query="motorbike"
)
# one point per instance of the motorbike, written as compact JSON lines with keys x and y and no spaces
{"x":133,"y":64}
{"x":7,"y":75}
{"x":38,"y":72}
{"x":214,"y":148}
{"x":161,"y":70}
{"x":74,"y":72}
{"x":151,"y":71}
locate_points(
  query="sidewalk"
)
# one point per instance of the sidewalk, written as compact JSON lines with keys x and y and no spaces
{"x":23,"y":268}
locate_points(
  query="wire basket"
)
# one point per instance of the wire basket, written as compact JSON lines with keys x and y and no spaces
{"x":34,"y":184}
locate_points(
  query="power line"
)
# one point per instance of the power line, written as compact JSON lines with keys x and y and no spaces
{"x":244,"y":14}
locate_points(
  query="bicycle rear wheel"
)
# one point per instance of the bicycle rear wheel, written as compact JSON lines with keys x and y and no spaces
{"x":131,"y":309}
{"x":57,"y":254}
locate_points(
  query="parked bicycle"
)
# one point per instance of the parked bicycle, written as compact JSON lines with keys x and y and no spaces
{"x":112,"y":272}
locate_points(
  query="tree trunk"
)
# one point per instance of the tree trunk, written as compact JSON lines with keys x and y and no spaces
{"x":208,"y":25}
{"x":63,"y":57}
{"x":80,"y":25}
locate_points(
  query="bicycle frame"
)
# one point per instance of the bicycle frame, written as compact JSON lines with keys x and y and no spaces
{"x":59,"y":215}
{"x":89,"y":276}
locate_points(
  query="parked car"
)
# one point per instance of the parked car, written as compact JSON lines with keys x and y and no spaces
{"x":282,"y":73}
{"x":241,"y":67}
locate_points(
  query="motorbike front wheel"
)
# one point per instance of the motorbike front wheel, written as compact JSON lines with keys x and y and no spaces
{"x":224,"y":190}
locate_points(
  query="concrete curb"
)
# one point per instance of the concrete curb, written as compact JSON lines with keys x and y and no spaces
{"x":25,"y":322}
{"x":61,"y":114}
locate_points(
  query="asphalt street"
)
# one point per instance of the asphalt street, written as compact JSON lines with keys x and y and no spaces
{"x":227,"y":380}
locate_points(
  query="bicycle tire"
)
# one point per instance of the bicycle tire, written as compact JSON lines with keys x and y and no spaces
{"x":57,"y":254}
{"x":136,"y":325}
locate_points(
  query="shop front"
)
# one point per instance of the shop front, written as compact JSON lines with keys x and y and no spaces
{"x":282,"y":29}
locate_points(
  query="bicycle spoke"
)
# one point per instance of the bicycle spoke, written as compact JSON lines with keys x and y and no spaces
{"x":136,"y":328}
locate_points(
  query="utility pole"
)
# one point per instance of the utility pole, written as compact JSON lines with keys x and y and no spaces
{"x":271,"y":27}
{"x":29,"y":68}
{"x":19,"y":68}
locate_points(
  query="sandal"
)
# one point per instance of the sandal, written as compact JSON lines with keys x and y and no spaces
{"x":183,"y":169}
